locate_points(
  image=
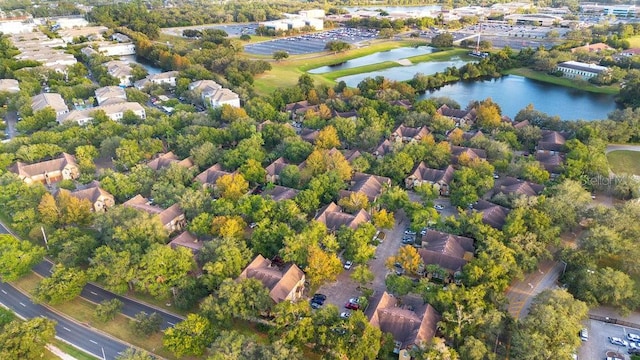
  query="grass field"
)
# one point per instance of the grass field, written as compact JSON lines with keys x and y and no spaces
{"x":624,"y":161}
{"x":634,"y":41}
{"x":582,"y":85}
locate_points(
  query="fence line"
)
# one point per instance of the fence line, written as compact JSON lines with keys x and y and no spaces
{"x":614,"y":321}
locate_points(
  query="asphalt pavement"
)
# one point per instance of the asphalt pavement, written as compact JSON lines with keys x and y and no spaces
{"x":97,"y":294}
{"x":76,"y":334}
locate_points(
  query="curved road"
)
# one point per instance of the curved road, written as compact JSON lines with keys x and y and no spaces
{"x":69,"y":330}
{"x":76,"y":334}
{"x":614,"y":147}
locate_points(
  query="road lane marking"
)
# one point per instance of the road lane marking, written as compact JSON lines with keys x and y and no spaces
{"x":170,"y":323}
{"x":66,"y":328}
{"x":93,"y":293}
{"x":4,"y":292}
{"x":94,"y":342}
{"x":23,"y":304}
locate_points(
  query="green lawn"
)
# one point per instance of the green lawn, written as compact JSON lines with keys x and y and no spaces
{"x":582,"y":85}
{"x":624,"y":161}
{"x":634,"y":41}
{"x":78,"y":354}
{"x":285,"y":73}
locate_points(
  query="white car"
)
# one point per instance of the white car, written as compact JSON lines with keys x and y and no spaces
{"x":618,"y":341}
{"x":348,"y":265}
{"x":438,"y":207}
{"x":345,"y":315}
{"x":633,"y":337}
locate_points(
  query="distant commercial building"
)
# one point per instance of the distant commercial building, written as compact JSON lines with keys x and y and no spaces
{"x":311,"y":14}
{"x":534,"y":19}
{"x":610,"y":9}
{"x":37,"y":46}
{"x":70,"y":22}
{"x":576,"y":69}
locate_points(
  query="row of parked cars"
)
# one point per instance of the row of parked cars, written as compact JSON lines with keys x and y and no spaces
{"x":632,"y":342}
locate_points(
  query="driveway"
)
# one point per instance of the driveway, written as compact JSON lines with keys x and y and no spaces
{"x":11,"y":119}
{"x":521,"y":293}
{"x":341,"y":290}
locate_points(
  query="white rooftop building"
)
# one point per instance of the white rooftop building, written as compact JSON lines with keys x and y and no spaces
{"x":213,"y":94}
{"x":114,"y":111}
{"x":112,"y":94}
{"x":120,"y":70}
{"x":52,"y":100}
{"x":168,"y":77}
{"x":9,"y":85}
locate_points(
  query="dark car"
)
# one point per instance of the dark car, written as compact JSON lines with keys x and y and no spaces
{"x":315,"y":305}
{"x":319,"y":298}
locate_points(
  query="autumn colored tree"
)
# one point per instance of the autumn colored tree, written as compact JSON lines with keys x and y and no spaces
{"x":323,"y":266}
{"x":408,"y":257}
{"x":228,"y":226}
{"x":327,"y":138}
{"x":232,"y":186}
{"x":383,"y":219}
{"x":488,"y":115}
{"x":355,"y":202}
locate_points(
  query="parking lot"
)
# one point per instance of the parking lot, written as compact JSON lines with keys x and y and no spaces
{"x":598,"y":344}
{"x":311,"y":43}
{"x":231,"y":29}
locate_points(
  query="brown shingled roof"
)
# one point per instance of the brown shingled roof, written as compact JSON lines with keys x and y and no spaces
{"x":370,"y":185}
{"x":332,"y":216}
{"x":551,"y":141}
{"x":413,"y":324}
{"x":279,"y":282}
{"x":424,"y":173}
{"x":165,"y":160}
{"x":279,"y":193}
{"x":209,"y":176}
{"x":448,"y":251}
{"x":276,"y":166}
{"x":511,"y":185}
{"x":492,"y":214}
{"x":187,"y":240}
{"x":29,"y":170}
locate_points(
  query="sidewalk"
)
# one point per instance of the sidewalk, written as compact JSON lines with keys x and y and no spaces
{"x":612,"y":313}
{"x":59,"y":353}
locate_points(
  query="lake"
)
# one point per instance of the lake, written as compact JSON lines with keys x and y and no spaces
{"x":150,"y":68}
{"x":514,"y":93}
{"x":381,"y":56}
{"x":403,"y":73}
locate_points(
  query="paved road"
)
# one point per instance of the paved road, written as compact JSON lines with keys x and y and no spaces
{"x":70,"y":331}
{"x":613,"y":147}
{"x":96,"y":294}
{"x":521,"y":293}
{"x":11,"y":118}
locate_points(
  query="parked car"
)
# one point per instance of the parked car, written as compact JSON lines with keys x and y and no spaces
{"x":633,"y":337}
{"x":347,"y":265}
{"x":408,"y":231}
{"x":438,"y":207}
{"x":635,"y":351}
{"x":408,"y":240}
{"x":618,"y":341}
{"x":584,"y":334}
{"x":352,"y":306}
{"x":354,"y":300}
{"x":315,"y":305}
{"x":345,"y":314}
{"x":319,"y":298}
